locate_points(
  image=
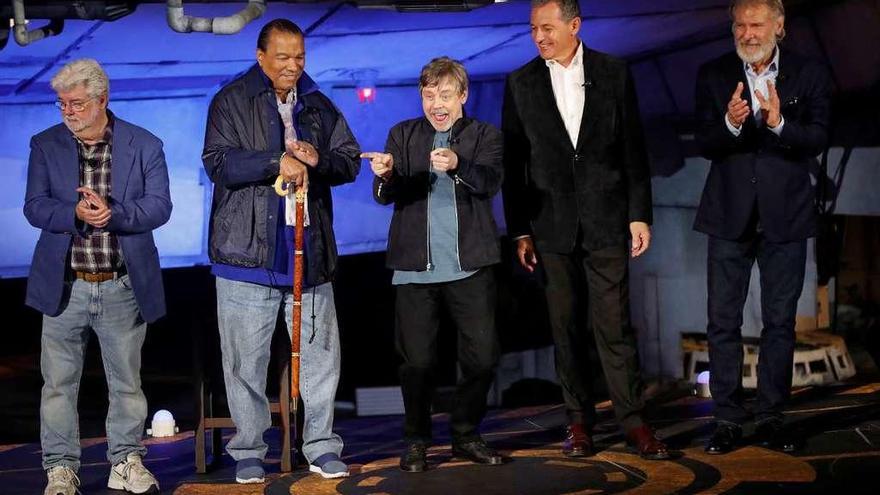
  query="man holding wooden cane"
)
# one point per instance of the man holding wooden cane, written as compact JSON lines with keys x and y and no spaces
{"x":273,"y":121}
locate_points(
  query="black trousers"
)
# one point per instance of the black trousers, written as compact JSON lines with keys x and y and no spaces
{"x":605,"y":275}
{"x":471,"y":306}
{"x":781,"y":267}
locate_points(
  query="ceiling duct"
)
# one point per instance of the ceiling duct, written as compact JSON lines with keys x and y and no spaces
{"x":105,"y":10}
{"x":424,"y":5}
{"x":183,"y":23}
{"x":19,"y":26}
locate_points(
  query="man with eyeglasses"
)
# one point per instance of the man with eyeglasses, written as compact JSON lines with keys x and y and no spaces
{"x":97,"y":187}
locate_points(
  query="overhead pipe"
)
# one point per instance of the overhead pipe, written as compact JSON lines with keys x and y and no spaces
{"x":232,"y":24}
{"x":19,"y":25}
{"x":425,"y":5}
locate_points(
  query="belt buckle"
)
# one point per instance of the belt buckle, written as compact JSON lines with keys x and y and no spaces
{"x":96,"y":277}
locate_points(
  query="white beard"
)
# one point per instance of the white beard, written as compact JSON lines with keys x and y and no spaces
{"x":76,"y":126}
{"x":81,"y":123}
{"x":754,"y":56}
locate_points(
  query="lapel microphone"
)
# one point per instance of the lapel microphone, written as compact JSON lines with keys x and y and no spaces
{"x":587,"y":84}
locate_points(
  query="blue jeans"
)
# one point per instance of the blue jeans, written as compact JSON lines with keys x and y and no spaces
{"x":109,"y":308}
{"x":246,"y":314}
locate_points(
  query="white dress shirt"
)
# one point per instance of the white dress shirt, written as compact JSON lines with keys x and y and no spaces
{"x":568,"y":89}
{"x":569,"y":92}
{"x":759,"y":82}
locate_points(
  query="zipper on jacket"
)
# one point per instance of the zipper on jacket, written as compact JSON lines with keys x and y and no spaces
{"x":457,"y":227}
{"x":429,"y":266}
{"x":459,"y":180}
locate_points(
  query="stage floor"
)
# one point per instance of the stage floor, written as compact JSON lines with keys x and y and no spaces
{"x":839,"y":424}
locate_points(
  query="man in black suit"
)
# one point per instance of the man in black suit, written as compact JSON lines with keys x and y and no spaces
{"x":762,"y":118}
{"x":577,"y":188}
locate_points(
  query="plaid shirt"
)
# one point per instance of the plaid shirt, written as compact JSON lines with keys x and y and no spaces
{"x":98,"y":250}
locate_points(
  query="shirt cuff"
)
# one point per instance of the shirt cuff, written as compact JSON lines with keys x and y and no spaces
{"x":778,"y":129}
{"x":730,"y":127}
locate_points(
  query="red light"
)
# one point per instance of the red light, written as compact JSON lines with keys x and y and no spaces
{"x":366,"y":94}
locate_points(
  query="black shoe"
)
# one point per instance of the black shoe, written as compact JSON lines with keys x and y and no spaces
{"x":414,"y":458}
{"x":724,"y":439}
{"x":477,"y":451}
{"x":772,"y":435}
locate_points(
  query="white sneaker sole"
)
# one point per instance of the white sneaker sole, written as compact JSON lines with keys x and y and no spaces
{"x":316,"y":469}
{"x":249,"y":481}
{"x":117,"y":485}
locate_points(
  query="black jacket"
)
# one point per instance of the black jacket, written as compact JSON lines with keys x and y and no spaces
{"x":477,"y":180}
{"x":759,"y":169}
{"x":552,"y":187}
{"x":243,"y":169}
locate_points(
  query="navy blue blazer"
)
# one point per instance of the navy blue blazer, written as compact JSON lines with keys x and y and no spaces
{"x":759,"y":170}
{"x":140,"y":202}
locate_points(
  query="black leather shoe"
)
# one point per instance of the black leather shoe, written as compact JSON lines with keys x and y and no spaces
{"x":414,"y":458}
{"x":724,"y":439}
{"x":772,"y":435}
{"x":477,"y":451}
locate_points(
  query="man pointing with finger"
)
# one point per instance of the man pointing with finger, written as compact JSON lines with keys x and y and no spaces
{"x":762,"y":117}
{"x":441,"y":172}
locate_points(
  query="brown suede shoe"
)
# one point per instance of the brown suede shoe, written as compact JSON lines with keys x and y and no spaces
{"x":646,"y":443}
{"x":577,"y":441}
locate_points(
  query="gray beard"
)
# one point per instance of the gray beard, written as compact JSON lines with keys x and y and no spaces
{"x":75,"y":127}
{"x":756,"y":57}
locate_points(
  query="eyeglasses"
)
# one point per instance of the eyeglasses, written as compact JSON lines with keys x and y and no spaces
{"x":76,"y":106}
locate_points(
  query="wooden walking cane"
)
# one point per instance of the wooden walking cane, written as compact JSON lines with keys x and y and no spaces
{"x":282,"y":188}
{"x":296,"y":313}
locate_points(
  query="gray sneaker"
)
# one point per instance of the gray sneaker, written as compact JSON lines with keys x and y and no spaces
{"x":62,"y":481}
{"x":249,"y":471}
{"x":131,"y":475}
{"x":329,"y":465}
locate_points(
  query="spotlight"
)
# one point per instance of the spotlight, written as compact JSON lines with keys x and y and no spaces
{"x":701,"y":388}
{"x":163,"y":424}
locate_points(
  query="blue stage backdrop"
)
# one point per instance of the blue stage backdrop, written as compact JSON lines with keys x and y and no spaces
{"x":164,"y":81}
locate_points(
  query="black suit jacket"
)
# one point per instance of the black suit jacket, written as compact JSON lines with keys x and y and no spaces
{"x":759,"y":169}
{"x":552,"y":187}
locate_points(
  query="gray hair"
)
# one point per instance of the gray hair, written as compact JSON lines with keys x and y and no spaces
{"x":775,"y":6}
{"x":85,"y":71}
{"x":569,"y":8}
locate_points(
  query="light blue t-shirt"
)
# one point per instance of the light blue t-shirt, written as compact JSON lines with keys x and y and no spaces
{"x":443,"y":256}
